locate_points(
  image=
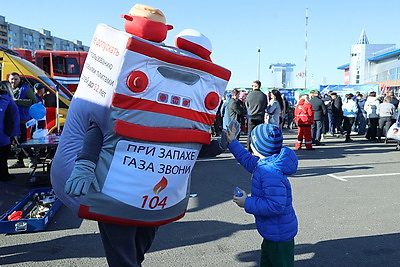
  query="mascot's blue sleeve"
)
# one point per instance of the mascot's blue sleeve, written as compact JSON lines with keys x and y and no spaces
{"x":92,"y":143}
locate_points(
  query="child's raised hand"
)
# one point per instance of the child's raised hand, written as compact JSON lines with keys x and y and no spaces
{"x":240,"y":200}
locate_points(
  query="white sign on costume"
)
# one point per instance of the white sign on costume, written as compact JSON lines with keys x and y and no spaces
{"x":149,"y":176}
{"x":102,"y":66}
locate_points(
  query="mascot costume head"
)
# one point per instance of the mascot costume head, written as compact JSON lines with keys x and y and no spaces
{"x":155,"y":105}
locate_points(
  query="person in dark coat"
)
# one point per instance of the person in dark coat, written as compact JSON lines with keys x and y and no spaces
{"x":395,"y":103}
{"x":24,"y":97}
{"x":9,"y":127}
{"x":319,"y":109}
{"x":328,"y":120}
{"x":337,"y":113}
{"x":237,"y":110}
{"x":256,"y":103}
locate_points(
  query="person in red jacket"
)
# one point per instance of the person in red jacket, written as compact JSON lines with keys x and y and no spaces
{"x":304,"y":116}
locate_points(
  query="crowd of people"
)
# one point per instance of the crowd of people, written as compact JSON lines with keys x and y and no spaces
{"x":329,"y":114}
{"x":252,"y":109}
{"x":358,"y":114}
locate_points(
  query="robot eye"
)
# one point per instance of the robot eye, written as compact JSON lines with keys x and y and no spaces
{"x":137,"y":81}
{"x":211,"y":101}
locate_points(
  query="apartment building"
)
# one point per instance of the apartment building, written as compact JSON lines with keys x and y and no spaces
{"x":14,"y":36}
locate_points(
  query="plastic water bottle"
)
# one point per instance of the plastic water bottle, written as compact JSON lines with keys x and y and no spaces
{"x":237,"y":192}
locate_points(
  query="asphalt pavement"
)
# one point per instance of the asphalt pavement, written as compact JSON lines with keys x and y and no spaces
{"x":345,"y":196}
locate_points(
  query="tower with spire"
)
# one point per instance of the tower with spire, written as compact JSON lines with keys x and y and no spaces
{"x":363,"y":38}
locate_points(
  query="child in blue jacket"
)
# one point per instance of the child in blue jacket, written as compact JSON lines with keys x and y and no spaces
{"x":271,"y":197}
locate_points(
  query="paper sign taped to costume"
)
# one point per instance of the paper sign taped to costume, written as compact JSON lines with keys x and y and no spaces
{"x":149,"y":176}
{"x":102,"y":66}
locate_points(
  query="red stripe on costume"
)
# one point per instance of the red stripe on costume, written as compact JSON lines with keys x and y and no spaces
{"x":158,"y":134}
{"x":193,"y":47}
{"x":132,"y":103}
{"x":153,"y":51}
{"x":85,"y":213}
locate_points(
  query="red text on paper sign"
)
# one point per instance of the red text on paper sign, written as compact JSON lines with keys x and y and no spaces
{"x":155,"y":201}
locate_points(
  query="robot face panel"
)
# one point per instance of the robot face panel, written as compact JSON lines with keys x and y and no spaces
{"x":164,"y":90}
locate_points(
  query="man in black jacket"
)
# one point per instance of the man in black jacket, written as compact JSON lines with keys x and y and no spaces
{"x":328,"y":119}
{"x":319,"y":109}
{"x":256,"y":102}
{"x":337,"y":113}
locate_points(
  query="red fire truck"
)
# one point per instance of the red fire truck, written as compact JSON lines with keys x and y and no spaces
{"x":64,"y":66}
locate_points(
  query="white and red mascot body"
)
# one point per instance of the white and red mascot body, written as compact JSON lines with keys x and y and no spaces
{"x":155,"y":105}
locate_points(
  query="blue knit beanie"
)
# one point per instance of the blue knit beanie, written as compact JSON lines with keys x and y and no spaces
{"x":267,"y":139}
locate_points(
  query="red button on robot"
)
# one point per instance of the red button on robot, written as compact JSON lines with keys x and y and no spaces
{"x":211,"y":101}
{"x":137,"y":81}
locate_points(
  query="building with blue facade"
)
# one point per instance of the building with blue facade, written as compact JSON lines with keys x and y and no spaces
{"x":373,"y":64}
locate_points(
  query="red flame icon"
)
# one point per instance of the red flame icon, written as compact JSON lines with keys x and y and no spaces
{"x":160,"y":186}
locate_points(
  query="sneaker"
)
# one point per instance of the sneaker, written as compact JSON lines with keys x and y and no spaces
{"x":329,"y":134}
{"x":17,"y":164}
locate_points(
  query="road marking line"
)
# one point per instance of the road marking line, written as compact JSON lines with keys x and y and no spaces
{"x":342,"y":178}
{"x":304,"y":256}
{"x":371,"y":175}
{"x":337,"y":177}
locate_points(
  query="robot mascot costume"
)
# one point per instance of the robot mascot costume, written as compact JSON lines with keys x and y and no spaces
{"x":138,"y":120}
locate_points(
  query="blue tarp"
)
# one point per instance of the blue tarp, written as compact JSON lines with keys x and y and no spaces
{"x":289,"y":95}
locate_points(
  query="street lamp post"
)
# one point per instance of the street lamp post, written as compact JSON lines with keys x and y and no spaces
{"x":259,"y":62}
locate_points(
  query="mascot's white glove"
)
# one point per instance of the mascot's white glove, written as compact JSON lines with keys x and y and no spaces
{"x":82,"y":177}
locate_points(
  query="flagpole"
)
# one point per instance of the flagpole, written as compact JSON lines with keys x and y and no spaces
{"x":305,"y":51}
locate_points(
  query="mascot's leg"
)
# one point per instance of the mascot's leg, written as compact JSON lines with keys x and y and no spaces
{"x":126,"y":245}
